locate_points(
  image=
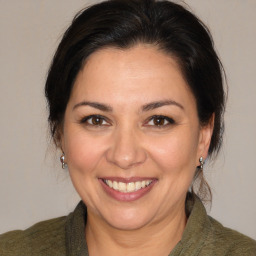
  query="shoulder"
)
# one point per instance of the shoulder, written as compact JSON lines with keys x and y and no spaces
{"x":206,"y":236}
{"x":230,"y":241}
{"x":44,"y":238}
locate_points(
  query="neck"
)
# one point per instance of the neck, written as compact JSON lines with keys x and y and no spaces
{"x":158,"y":238}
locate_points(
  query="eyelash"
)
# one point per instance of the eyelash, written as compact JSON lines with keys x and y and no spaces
{"x":85,"y":120}
{"x":169,"y":121}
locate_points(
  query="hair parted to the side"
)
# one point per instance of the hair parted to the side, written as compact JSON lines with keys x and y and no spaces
{"x":124,"y":23}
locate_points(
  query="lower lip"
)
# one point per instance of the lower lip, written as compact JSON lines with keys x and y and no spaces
{"x":127,"y":197}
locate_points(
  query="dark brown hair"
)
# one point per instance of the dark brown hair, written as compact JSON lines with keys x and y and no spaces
{"x":125,"y":23}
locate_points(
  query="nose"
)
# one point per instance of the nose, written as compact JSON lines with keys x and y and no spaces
{"x":126,"y":150}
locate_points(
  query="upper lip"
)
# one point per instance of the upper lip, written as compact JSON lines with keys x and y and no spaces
{"x":127,"y":180}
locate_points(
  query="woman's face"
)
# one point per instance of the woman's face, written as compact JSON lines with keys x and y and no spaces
{"x":132,"y":137}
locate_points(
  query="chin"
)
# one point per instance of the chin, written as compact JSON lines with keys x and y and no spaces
{"x":130,"y":219}
{"x":126,"y":225}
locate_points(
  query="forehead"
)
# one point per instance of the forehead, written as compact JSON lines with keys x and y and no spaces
{"x":140,"y":73}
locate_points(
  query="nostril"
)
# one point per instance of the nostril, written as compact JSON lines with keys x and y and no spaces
{"x":126,"y":150}
{"x":126,"y":159}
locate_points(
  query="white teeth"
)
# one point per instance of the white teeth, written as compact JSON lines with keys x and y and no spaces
{"x":128,"y":187}
{"x":121,"y":186}
{"x":115,"y":185}
{"x":109,"y":183}
{"x":138,"y":185}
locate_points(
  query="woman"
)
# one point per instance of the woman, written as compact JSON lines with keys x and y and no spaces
{"x":136,"y":105}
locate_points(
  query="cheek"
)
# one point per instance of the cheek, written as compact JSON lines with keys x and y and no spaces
{"x":176,"y":152}
{"x":83,"y":152}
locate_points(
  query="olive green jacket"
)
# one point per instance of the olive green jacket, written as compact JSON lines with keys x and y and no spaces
{"x":203,"y":236}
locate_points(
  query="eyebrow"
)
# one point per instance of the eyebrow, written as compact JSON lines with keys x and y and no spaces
{"x":158,"y":104}
{"x":147,"y":107}
{"x":97,"y":105}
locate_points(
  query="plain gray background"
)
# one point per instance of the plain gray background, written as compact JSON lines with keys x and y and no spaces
{"x":33,"y":186}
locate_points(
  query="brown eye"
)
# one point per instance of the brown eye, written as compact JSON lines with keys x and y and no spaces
{"x":159,"y":121}
{"x":96,"y":120}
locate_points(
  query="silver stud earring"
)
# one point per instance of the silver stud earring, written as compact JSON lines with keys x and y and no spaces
{"x":201,"y":161}
{"x":62,"y":160}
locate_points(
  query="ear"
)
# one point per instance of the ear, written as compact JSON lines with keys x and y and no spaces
{"x":205,"y":136}
{"x":62,"y":143}
{"x":59,"y":139}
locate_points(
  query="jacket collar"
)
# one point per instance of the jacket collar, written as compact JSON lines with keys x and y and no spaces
{"x":193,"y":238}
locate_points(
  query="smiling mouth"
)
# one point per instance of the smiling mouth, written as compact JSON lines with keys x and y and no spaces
{"x":127,"y":187}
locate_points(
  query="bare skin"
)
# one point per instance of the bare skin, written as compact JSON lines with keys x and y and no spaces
{"x":159,"y":239}
{"x":132,"y":118}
